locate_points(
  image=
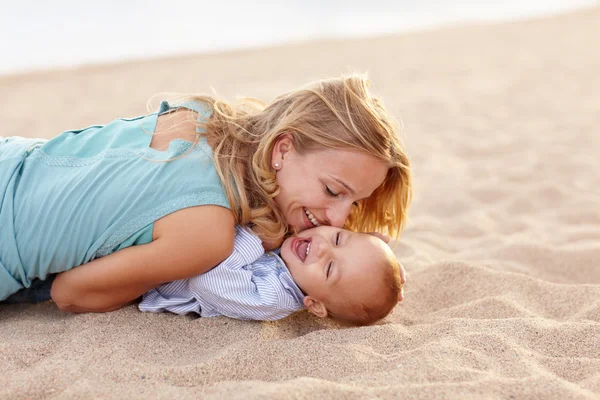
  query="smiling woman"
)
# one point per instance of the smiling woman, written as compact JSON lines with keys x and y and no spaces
{"x":328,"y":153}
{"x":131,"y":216}
{"x":321,"y":187}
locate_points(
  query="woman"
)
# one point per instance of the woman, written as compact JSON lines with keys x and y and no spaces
{"x":134,"y":217}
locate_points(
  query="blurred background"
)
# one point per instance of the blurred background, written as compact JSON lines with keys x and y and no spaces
{"x":64,"y":33}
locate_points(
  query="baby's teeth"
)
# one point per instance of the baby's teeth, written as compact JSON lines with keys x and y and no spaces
{"x":307,"y":249}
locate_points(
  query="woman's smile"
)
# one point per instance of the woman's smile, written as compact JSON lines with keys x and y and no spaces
{"x":311,"y":217}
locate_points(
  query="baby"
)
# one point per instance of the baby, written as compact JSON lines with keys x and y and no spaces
{"x":353,"y":278}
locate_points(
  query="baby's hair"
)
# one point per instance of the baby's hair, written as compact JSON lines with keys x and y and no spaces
{"x":361,"y":314}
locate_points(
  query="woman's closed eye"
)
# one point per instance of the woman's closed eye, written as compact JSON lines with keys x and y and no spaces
{"x":331,"y":192}
{"x":329,"y":268}
{"x":334,"y":194}
{"x":337,"y":238}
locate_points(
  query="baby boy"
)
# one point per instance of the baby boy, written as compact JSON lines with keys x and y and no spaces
{"x":353,"y":278}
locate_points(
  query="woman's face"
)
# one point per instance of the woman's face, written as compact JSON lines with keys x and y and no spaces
{"x":320,"y":187}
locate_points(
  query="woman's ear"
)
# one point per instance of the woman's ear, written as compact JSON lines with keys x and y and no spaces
{"x":283,"y":145}
{"x":315,"y":306}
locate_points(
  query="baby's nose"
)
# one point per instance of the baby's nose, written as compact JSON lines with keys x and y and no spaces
{"x":321,"y":246}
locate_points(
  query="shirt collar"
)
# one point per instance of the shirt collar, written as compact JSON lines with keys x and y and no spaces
{"x":285,"y":277}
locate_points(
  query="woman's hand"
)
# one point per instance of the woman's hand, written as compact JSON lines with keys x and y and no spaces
{"x":387,"y":239}
{"x":381,"y":236}
{"x":402,"y":282}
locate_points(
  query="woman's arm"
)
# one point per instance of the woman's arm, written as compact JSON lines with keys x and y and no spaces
{"x":188,"y":242}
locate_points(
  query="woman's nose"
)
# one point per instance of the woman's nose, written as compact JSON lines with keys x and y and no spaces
{"x":336,"y":216}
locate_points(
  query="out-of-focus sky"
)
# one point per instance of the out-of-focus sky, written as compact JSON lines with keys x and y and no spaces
{"x":36,"y":34}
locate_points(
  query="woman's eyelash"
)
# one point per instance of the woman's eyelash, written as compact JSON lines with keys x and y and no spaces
{"x":329,"y":268}
{"x":337,"y":239}
{"x":331,"y":192}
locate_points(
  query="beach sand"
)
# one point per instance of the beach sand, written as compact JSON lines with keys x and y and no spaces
{"x":503,"y":297}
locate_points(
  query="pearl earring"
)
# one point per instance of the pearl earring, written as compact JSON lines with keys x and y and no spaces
{"x":276,"y":165}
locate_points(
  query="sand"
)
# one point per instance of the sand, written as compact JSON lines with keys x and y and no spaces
{"x":502,"y":248}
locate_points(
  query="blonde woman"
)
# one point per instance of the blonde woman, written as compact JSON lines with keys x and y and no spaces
{"x":143,"y":201}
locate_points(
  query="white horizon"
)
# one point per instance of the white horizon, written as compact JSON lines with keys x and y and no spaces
{"x":69,"y":33}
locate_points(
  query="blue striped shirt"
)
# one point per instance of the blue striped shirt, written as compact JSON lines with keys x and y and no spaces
{"x":249,"y":284}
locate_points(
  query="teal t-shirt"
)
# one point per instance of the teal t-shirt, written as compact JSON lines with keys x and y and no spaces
{"x":88,"y":193}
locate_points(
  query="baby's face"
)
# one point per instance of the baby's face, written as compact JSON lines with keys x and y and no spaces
{"x":328,"y":262}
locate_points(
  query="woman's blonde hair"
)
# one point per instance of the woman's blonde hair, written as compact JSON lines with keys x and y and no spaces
{"x":335,"y":113}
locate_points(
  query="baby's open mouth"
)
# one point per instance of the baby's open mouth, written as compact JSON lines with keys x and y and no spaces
{"x":301,"y":248}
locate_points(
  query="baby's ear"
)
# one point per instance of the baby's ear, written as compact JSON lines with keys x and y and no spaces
{"x":381,"y":236}
{"x":315,"y":306}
